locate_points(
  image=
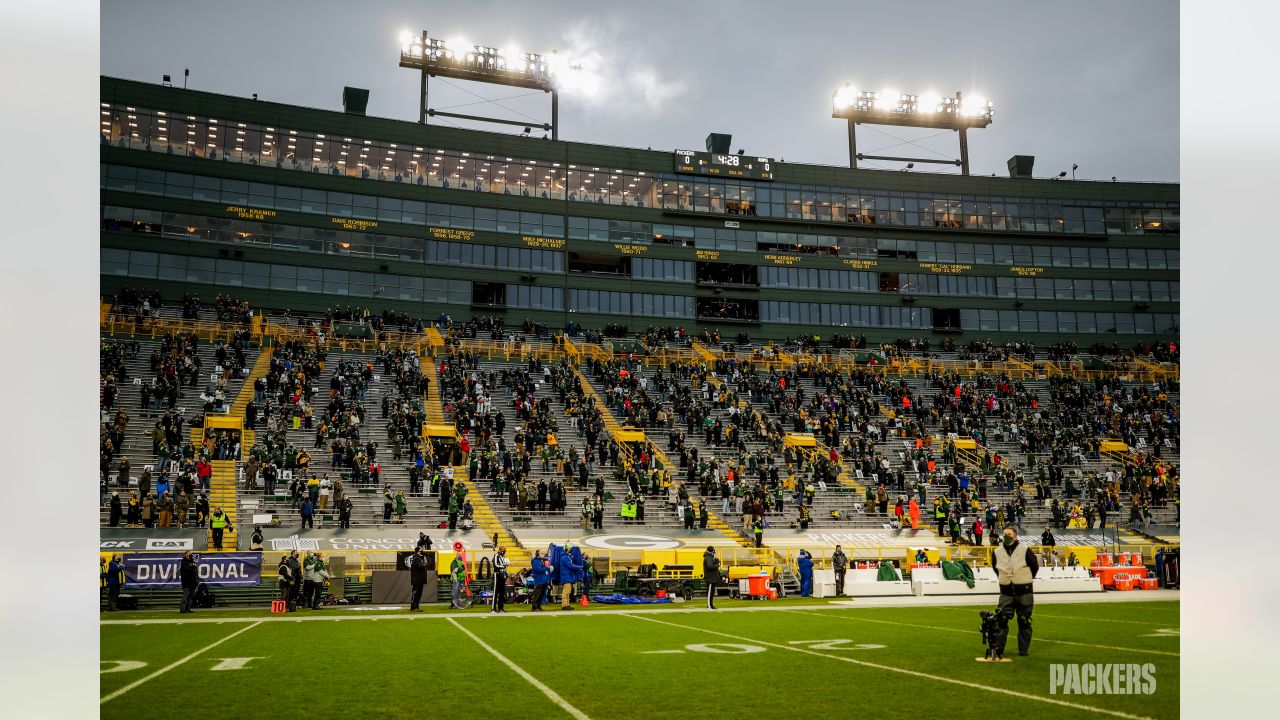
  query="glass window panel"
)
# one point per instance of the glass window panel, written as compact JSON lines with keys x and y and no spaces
{"x":310,"y":279}
{"x":335,"y":282}
{"x":200,"y":270}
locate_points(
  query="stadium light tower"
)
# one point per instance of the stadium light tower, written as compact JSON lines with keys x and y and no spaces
{"x":890,"y":107}
{"x":463,"y":60}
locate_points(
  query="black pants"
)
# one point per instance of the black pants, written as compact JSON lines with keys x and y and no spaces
{"x":499,"y":591}
{"x":113,"y":597}
{"x":416,"y":597}
{"x":344,"y":521}
{"x":1021,"y":606}
{"x":308,"y":589}
{"x":840,"y":582}
{"x":217,"y":538}
{"x":539,"y":594}
{"x":711,"y":594}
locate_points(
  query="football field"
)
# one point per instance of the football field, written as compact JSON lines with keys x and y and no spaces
{"x":795,"y":658}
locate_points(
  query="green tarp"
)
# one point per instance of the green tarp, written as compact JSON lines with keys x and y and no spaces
{"x":958,"y":570}
{"x":886,"y":571}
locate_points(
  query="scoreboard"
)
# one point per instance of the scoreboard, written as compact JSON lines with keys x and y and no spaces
{"x":740,"y":166}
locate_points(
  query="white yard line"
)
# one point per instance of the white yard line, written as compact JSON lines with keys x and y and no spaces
{"x":905,"y":671}
{"x":162,"y":671}
{"x":951,"y":629}
{"x":338,"y":614}
{"x":552,"y":695}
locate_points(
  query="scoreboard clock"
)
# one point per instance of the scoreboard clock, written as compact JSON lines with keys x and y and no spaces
{"x":740,"y":166}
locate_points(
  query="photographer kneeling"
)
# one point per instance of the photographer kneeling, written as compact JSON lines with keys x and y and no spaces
{"x":1016,"y":568}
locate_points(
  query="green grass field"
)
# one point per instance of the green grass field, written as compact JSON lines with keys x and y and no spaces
{"x":784,"y":659}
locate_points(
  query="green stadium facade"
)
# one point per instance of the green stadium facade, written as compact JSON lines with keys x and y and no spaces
{"x":298,"y":208}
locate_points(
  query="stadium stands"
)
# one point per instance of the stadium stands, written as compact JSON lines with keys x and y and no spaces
{"x":591,"y":429}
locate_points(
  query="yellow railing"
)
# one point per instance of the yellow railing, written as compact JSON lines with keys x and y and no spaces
{"x":361,"y":564}
{"x":702,"y":353}
{"x":570,"y":350}
{"x":121,"y":324}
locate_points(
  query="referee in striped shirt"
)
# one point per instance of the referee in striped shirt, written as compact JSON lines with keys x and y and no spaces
{"x":500,"y":565}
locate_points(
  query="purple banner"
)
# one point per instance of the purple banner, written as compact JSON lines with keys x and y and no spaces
{"x":215,"y":570}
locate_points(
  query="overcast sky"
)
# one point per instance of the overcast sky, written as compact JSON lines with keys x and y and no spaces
{"x":1093,"y":82}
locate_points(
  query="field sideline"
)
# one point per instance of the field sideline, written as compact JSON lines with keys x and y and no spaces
{"x":802,"y":658}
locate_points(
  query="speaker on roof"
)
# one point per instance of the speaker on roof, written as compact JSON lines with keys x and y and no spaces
{"x":719,"y":143}
{"x":354,"y":100}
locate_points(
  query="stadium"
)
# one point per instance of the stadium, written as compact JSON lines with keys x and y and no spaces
{"x":462,"y":420}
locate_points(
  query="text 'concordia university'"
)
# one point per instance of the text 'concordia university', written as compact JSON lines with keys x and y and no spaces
{"x":292,"y":207}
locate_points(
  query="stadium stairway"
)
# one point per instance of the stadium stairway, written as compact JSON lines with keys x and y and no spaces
{"x":714,"y":521}
{"x":222,"y":494}
{"x":486,"y":520}
{"x":434,"y":408}
{"x":223,"y":487}
{"x":481,"y":513}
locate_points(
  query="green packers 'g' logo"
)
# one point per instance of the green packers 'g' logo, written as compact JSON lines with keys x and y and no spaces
{"x":631,"y":542}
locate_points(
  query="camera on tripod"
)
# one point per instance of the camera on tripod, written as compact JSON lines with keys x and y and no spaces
{"x":992,"y":624}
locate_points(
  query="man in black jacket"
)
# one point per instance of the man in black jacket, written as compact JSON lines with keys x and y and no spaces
{"x":1016,"y":567}
{"x":417,"y":577}
{"x":295,"y":580}
{"x":711,"y":574}
{"x":189,"y":573}
{"x":840,"y":563}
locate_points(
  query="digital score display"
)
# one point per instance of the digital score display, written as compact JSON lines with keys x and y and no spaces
{"x":740,"y":166}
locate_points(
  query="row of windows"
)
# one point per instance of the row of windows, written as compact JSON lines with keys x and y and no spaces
{"x":811,"y":279}
{"x":1034,"y":288}
{"x":299,"y":150}
{"x":607,"y":302}
{"x":333,"y":204}
{"x":1069,"y":322}
{"x":979,"y":320}
{"x":658,"y":269}
{"x":369,"y":207}
{"x":340,"y":242}
{"x":333,"y":242}
{"x":1024,"y":255}
{"x":452,"y":253}
{"x":532,"y":297}
{"x":779,"y":311}
{"x":274,"y":276}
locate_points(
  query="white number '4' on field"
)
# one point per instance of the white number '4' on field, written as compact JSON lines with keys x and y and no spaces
{"x":834,"y":645}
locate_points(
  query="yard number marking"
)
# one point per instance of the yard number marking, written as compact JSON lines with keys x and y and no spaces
{"x":732,"y":648}
{"x":831,"y":645}
{"x":121,"y":666}
{"x":1164,"y":632}
{"x":233,"y":663}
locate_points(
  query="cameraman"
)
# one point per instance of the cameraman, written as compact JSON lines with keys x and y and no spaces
{"x":1016,"y":569}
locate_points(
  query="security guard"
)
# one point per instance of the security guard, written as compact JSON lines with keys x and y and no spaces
{"x":1016,"y":567}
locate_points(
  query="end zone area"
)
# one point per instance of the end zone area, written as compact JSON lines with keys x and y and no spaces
{"x":793,"y":661}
